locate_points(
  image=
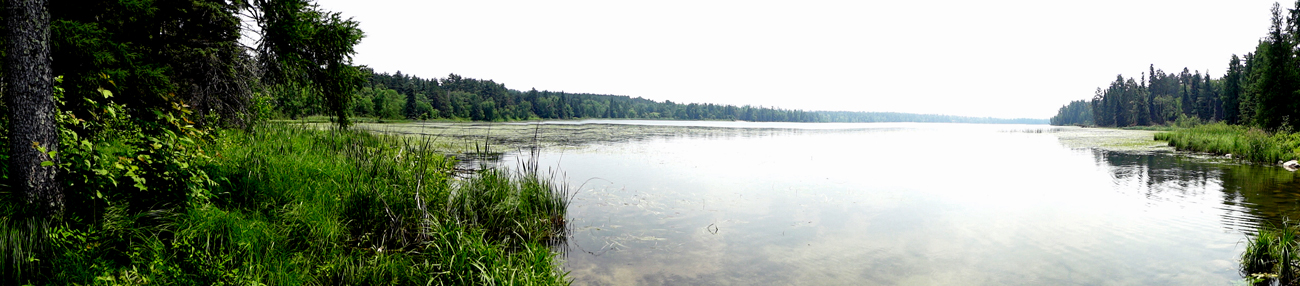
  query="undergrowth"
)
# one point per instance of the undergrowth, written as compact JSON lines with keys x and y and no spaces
{"x":283,"y":205}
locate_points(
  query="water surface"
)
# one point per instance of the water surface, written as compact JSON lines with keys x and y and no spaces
{"x":885,"y":204}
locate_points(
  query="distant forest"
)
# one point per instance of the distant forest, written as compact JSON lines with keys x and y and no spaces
{"x":403,"y":96}
{"x":1259,"y":89}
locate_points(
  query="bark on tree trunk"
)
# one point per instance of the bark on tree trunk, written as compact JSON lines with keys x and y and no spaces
{"x":29,"y":93}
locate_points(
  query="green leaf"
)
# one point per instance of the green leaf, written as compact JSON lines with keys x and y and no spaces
{"x":47,"y":164}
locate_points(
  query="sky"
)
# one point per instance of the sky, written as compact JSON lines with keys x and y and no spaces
{"x":997,"y":58}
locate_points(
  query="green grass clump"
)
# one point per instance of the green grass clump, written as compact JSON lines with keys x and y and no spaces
{"x":1271,"y":256}
{"x":1246,"y":143}
{"x":294,"y":206}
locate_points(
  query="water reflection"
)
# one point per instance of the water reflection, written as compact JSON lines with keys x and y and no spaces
{"x":1162,"y":176}
{"x":925,"y":204}
{"x":1251,"y":194}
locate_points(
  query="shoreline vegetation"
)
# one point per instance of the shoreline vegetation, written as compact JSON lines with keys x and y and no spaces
{"x":1250,"y":144}
{"x":295,"y":206}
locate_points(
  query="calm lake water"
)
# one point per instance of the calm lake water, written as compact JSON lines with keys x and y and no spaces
{"x":885,"y":204}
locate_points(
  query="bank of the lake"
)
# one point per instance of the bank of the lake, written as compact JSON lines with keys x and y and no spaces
{"x":1242,"y":142}
{"x":296,"y":206}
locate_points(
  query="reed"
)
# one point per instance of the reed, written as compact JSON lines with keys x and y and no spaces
{"x":1271,"y":256}
{"x":1245,"y":143}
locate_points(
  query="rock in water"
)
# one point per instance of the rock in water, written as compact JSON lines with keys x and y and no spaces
{"x":1291,"y":165}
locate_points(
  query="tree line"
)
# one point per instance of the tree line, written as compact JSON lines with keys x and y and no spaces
{"x":1261,"y":88}
{"x":404,"y":96}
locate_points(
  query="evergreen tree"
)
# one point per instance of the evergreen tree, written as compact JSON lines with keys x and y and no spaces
{"x":304,"y":45}
{"x":1274,"y":106}
{"x":29,"y":81}
{"x":1232,"y":91}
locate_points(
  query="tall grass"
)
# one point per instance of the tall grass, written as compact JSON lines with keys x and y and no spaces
{"x":293,"y":206}
{"x":21,"y":243}
{"x":1247,"y":143}
{"x":1271,"y":256}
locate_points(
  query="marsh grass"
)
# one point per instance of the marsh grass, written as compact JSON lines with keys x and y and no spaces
{"x":1271,"y":256}
{"x":1245,"y":143}
{"x":298,"y":206}
{"x":1152,"y":128}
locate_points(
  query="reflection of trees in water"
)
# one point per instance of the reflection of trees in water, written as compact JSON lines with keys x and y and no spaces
{"x":1264,"y":193}
{"x":1251,"y":194}
{"x":1160,"y":176}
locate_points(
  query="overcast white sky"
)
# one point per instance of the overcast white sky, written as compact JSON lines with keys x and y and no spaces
{"x":994,"y":58}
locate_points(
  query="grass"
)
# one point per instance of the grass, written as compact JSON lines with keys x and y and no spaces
{"x":1246,"y":143}
{"x":293,"y":206}
{"x":1152,"y":128}
{"x":1271,"y":256}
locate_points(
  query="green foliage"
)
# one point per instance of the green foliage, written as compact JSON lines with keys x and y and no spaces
{"x":1232,"y":91}
{"x":144,"y":164}
{"x":387,"y":104}
{"x":302,"y":44}
{"x":1246,"y":143}
{"x":153,"y":55}
{"x":1076,"y":113}
{"x":495,"y":201}
{"x":294,"y":101}
{"x":1275,"y":86}
{"x":1271,"y":256}
{"x":485,"y":100}
{"x":379,"y":209}
{"x":292,"y":206}
{"x":155,"y":198}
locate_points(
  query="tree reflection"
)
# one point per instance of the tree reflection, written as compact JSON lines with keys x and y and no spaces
{"x":1251,"y":194}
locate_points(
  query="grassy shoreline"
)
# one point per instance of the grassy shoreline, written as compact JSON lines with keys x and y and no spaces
{"x":295,"y":206}
{"x":1243,"y":143}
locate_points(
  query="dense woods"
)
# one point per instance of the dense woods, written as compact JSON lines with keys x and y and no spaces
{"x":404,"y":96}
{"x":1078,"y":112}
{"x":1260,"y":88}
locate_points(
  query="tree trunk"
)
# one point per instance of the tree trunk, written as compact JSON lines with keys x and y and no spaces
{"x":29,"y":94}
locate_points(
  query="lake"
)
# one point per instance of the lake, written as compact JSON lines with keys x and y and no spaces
{"x":904,"y":203}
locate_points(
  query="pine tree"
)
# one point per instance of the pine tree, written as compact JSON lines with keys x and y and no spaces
{"x":1232,"y":91}
{"x":29,"y":93}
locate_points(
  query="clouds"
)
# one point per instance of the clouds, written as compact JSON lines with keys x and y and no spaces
{"x":998,"y":58}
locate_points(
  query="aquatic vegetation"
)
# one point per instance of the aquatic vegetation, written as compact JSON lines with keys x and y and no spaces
{"x":462,"y":137}
{"x":1109,"y":139}
{"x":1271,"y":256}
{"x":1244,"y":143}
